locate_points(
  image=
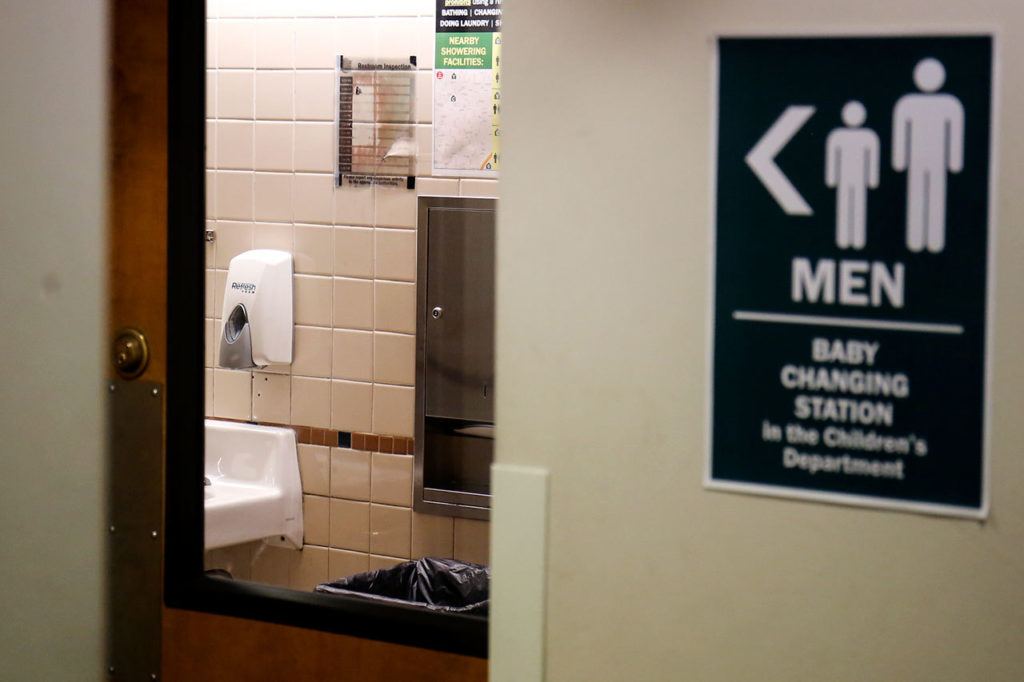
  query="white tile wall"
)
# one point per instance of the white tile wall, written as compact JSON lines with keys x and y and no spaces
{"x":274,"y":44}
{"x":314,"y":95}
{"x":314,"y":249}
{"x":314,"y":147}
{"x":314,"y":43}
{"x":234,"y":94}
{"x":233,"y":195}
{"x":235,"y":44}
{"x":273,"y":95}
{"x":272,"y":236}
{"x":314,"y":198}
{"x":273,"y":146}
{"x":270,"y":151}
{"x":270,"y":184}
{"x":234,"y":144}
{"x":234,"y":238}
{"x":272,"y":193}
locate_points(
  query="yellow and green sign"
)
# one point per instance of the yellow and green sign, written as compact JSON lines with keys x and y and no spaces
{"x":467,"y":88}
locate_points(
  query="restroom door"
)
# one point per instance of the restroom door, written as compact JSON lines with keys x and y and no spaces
{"x":196,"y":646}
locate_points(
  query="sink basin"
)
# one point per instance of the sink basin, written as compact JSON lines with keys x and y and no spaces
{"x":255,"y":492}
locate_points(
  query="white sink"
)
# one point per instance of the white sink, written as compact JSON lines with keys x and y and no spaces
{"x":255,"y":492}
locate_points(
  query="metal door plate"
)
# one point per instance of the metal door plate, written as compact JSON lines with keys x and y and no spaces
{"x":135,"y":529}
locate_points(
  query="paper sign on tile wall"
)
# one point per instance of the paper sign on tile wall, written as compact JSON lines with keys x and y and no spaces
{"x":467,"y":88}
{"x":852,"y":246}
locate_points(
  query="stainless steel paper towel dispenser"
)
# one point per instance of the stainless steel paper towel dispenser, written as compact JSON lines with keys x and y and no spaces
{"x":455,"y":356}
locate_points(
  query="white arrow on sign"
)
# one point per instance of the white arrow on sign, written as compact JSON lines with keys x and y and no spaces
{"x":761,"y":159}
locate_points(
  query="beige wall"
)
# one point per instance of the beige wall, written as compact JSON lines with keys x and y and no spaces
{"x":603,"y":303}
{"x":270,"y":184}
{"x":53,"y":66}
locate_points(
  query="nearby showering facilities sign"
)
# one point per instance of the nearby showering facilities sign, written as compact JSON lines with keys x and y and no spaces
{"x":467,"y":88}
{"x":852,"y":214}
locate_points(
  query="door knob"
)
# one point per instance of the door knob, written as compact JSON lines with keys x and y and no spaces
{"x":130,"y":353}
{"x":437,"y":312}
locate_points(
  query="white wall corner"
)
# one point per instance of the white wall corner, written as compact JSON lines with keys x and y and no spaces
{"x":519,"y":518}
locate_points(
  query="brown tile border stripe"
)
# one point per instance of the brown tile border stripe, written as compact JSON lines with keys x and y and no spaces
{"x":398,"y":445}
{"x":312,"y":435}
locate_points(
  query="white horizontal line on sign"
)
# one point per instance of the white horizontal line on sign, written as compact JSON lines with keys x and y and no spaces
{"x":824,"y":320}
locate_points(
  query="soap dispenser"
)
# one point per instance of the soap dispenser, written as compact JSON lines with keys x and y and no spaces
{"x":257,"y":310}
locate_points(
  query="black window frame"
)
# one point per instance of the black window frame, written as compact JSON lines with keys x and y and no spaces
{"x":186,"y":586}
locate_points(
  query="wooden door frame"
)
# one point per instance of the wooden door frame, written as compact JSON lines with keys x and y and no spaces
{"x":157,"y":284}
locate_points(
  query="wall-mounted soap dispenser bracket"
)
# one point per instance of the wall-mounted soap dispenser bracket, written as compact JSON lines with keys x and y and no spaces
{"x":258,"y":310}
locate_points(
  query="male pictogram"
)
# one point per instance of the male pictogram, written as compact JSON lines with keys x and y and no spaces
{"x":927,"y":142}
{"x":851,"y":167}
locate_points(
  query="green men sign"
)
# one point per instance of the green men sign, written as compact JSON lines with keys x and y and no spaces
{"x":852,"y":236}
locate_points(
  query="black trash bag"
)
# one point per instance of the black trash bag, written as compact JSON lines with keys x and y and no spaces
{"x":437,"y":584}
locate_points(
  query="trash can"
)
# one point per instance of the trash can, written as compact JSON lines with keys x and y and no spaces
{"x":436,"y":584}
